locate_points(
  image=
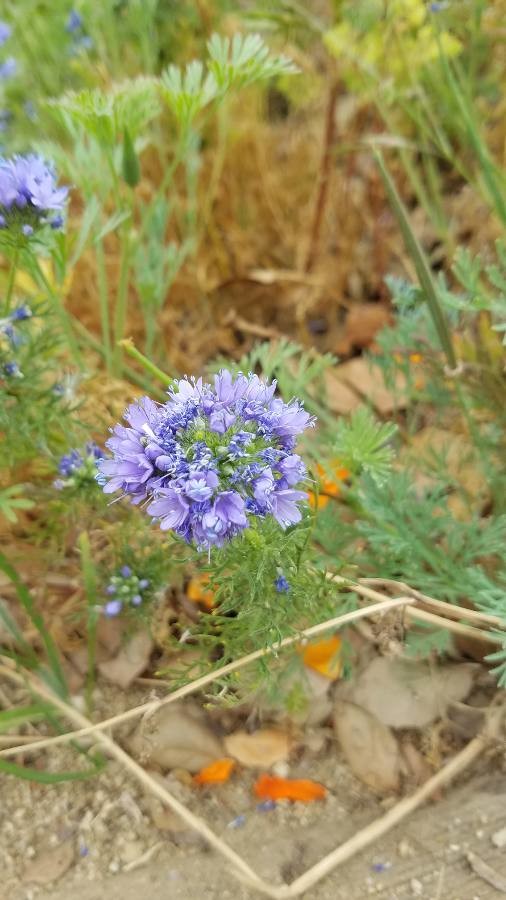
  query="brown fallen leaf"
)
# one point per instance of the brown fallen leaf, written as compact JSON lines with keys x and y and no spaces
{"x":340,"y":398}
{"x":50,"y":865}
{"x":405,"y":694}
{"x":367,"y":380}
{"x":260,"y":749}
{"x":176,"y":737}
{"x":369,"y":747}
{"x":130,"y":662}
{"x":490,"y":875}
{"x":363,"y":322}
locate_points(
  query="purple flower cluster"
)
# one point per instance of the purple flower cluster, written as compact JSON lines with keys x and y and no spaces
{"x":75,"y":27}
{"x":124,"y":589}
{"x":11,"y":338}
{"x":211,"y":457}
{"x":8,"y":66}
{"x":29,"y":195}
{"x":78,"y":468}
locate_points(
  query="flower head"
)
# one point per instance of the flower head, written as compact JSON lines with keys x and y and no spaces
{"x":78,"y":468}
{"x":74,"y":22}
{"x":211,"y":458}
{"x":11,"y":338}
{"x":5,"y":33}
{"x":125,"y":589}
{"x":29,"y":195}
{"x":8,"y":68}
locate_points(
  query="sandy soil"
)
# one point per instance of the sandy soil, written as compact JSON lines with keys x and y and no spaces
{"x":104,"y":827}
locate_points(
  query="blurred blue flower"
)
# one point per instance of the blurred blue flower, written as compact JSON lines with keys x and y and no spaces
{"x":29,"y":195}
{"x":5,"y":32}
{"x":8,"y":68}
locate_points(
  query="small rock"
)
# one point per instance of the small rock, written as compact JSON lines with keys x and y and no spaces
{"x":130,"y":850}
{"x":50,"y":865}
{"x":416,"y":887}
{"x":499,"y":838}
{"x":405,"y":850}
{"x":130,"y":662}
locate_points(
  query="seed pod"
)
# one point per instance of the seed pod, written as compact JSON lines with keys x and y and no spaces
{"x":131,"y":167}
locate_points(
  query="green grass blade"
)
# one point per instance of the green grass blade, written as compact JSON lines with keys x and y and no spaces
{"x":416,"y":253}
{"x":28,"y":774}
{"x":11,"y":718}
{"x":26,"y":600}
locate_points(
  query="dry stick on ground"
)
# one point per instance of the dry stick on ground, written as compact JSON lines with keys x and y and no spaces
{"x":453,"y":612}
{"x":341,"y":854}
{"x":153,"y":705}
{"x":360,"y":587}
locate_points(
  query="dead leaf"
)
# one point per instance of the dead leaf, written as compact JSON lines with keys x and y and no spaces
{"x":260,"y":749}
{"x":176,"y":736}
{"x":404,"y":694}
{"x":367,"y":379}
{"x":216,"y":773}
{"x":363,"y":322}
{"x":340,"y":399}
{"x":324,"y":657}
{"x":486,"y":872}
{"x":417,"y":768}
{"x":272,"y":787}
{"x":368,"y":746}
{"x":130,"y":662}
{"x":50,"y":865}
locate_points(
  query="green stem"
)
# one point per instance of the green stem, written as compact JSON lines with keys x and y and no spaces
{"x":103,"y":296}
{"x":132,"y":376}
{"x":10,"y":283}
{"x":416,"y":253}
{"x":120,"y":311}
{"x":131,"y":350}
{"x":90,"y":589}
{"x":61,"y":312}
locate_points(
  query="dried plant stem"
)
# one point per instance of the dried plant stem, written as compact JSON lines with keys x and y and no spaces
{"x":151,"y":706}
{"x":453,"y":612}
{"x":324,"y":177}
{"x":442,"y":621}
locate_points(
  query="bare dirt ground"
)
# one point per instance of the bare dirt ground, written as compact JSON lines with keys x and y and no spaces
{"x":99,"y":831}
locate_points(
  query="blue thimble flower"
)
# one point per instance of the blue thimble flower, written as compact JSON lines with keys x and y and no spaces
{"x":212,"y":458}
{"x":78,"y":468}
{"x":29,"y":195}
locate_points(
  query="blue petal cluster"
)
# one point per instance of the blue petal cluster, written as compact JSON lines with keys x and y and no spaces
{"x":79,"y":467}
{"x":125,"y":589}
{"x":211,"y":457}
{"x":29,"y":195}
{"x":8,"y":66}
{"x":11,"y":337}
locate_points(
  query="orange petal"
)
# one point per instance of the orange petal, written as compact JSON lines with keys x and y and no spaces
{"x":198,"y":592}
{"x":322,"y":500}
{"x":271,"y":787}
{"x":216,"y":773}
{"x":324,"y":656}
{"x":331,"y":477}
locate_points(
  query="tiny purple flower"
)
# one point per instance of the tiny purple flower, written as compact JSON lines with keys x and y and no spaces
{"x":282,"y":585}
{"x":125,"y":571}
{"x":5,"y":33}
{"x":113,"y":608}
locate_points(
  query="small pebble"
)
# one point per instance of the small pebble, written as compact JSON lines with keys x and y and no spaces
{"x":266,"y":805}
{"x":114,"y":866}
{"x":499,"y":838}
{"x":405,"y":850}
{"x":416,"y":887}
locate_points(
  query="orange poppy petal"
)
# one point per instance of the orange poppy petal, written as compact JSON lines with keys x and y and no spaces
{"x":271,"y":787}
{"x":324,"y":656}
{"x":198,"y":592}
{"x":322,"y":500}
{"x":216,"y":773}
